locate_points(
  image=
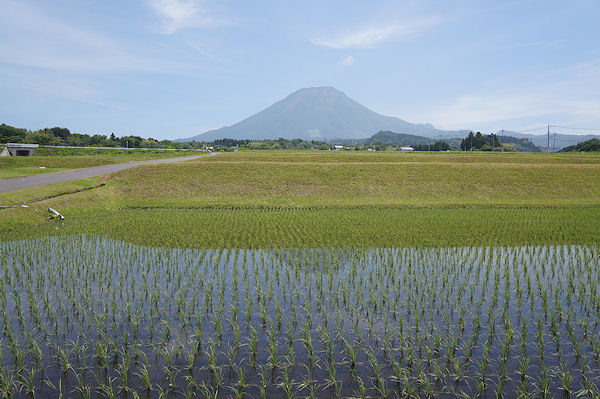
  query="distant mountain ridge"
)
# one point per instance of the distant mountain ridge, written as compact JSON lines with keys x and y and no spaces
{"x":319,"y":113}
{"x":388,"y":138}
{"x":399,"y":139}
{"x":557,"y":141}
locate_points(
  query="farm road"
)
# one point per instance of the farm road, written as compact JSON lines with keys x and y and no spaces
{"x":18,"y":183}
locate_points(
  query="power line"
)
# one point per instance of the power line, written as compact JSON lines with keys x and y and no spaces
{"x":576,"y":128}
{"x":527,"y":130}
{"x":552,"y":126}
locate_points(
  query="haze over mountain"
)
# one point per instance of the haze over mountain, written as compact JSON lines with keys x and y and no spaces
{"x":319,"y":113}
{"x":557,"y":141}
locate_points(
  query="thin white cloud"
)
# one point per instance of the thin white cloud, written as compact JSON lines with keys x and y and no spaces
{"x":540,"y":43}
{"x":347,"y":61}
{"x":204,"y":51}
{"x":182,"y":14}
{"x":565,"y":95}
{"x":375,"y":34}
{"x":39,"y":40}
{"x":49,"y":84}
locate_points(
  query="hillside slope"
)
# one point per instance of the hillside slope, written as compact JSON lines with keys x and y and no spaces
{"x":318,"y":113}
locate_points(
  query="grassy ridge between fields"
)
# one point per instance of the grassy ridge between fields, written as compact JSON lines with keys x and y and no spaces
{"x":410,"y":157}
{"x":287,"y":199}
{"x":292,"y":184}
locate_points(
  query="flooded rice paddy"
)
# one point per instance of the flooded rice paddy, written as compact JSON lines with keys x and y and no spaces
{"x":87,"y":316}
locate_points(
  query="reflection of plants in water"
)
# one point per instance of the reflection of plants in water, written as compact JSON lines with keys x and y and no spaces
{"x":90,"y":316}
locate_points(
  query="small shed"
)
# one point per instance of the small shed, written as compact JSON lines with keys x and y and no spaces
{"x":18,"y":150}
{"x":406,"y":148}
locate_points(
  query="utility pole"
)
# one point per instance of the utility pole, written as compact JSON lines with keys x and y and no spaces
{"x":548,"y":146}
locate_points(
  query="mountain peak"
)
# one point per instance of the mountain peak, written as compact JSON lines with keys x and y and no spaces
{"x":316,"y":113}
{"x":320,"y":94}
{"x":320,"y":90}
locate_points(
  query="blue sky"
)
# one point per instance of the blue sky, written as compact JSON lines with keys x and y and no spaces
{"x":176,"y":68}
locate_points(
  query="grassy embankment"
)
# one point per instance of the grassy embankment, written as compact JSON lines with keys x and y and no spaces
{"x":47,"y":159}
{"x":314,"y":199}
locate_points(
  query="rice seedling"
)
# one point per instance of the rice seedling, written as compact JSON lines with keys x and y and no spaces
{"x":468,"y":321}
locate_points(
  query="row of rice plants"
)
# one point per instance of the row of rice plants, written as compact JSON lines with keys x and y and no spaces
{"x":333,"y":227}
{"x":87,"y":316}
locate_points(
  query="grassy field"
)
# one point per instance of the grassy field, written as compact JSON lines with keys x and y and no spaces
{"x":265,"y":199}
{"x":524,"y":158}
{"x":47,"y":159}
{"x":219,"y":182}
{"x":298,"y":274}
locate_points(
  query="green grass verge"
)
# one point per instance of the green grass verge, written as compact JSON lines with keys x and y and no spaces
{"x":291,"y":156}
{"x":47,"y":160}
{"x":51,"y":190}
{"x":309,"y":199}
{"x":213,"y":182}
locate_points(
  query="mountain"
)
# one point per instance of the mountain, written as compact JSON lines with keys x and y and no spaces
{"x":386,"y":137}
{"x":319,"y":113}
{"x":398,"y":138}
{"x":520,"y":144}
{"x":557,"y":141}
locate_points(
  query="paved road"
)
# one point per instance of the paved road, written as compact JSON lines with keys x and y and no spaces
{"x":18,"y":183}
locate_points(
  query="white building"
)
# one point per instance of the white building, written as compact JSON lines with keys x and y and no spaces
{"x":406,"y":148}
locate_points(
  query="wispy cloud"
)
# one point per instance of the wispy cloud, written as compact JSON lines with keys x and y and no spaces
{"x":39,"y":40}
{"x":377,"y":33}
{"x":49,"y":84}
{"x":347,"y":61}
{"x":182,"y":14}
{"x":540,"y":43}
{"x":563,"y":95}
{"x":204,"y":51}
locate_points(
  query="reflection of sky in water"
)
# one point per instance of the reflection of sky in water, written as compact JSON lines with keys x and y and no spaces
{"x":410,"y":311}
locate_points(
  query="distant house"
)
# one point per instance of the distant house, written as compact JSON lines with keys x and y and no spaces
{"x":338,"y":147}
{"x":18,"y":150}
{"x":406,"y":148}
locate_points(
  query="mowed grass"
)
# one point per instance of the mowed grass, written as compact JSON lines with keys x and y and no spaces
{"x":48,"y":160}
{"x":366,"y":157}
{"x":272,"y":199}
{"x":343,"y":180}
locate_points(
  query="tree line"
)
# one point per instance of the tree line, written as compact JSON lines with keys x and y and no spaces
{"x":585,"y":146}
{"x":477,"y":141}
{"x":60,"y":136}
{"x":63,"y":136}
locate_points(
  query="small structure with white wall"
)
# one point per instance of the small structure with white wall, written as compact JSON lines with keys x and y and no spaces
{"x":18,"y":150}
{"x":406,"y":148}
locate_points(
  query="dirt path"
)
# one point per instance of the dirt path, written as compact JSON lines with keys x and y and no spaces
{"x":19,"y":183}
